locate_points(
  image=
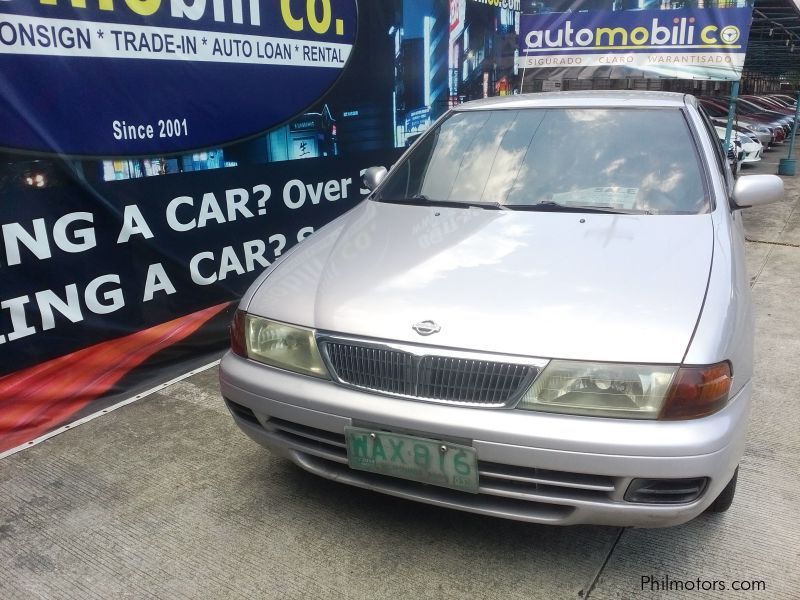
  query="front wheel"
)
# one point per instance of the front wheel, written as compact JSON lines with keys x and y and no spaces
{"x":725,"y":498}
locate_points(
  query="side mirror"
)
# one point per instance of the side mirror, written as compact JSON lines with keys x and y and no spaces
{"x":755,"y":190}
{"x":373,"y":176}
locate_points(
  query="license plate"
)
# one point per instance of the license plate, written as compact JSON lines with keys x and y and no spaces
{"x":408,"y":457}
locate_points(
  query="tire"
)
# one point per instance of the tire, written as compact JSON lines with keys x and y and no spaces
{"x":725,"y":498}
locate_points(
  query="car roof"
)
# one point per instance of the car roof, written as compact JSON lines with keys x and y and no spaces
{"x":594,"y":98}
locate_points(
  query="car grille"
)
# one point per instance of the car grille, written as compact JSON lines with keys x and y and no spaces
{"x":434,"y":378}
{"x":384,"y":370}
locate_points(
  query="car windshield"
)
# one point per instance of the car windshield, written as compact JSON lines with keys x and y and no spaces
{"x":620,"y":160}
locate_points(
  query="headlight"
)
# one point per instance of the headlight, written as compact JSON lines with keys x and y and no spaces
{"x":277,"y":344}
{"x":629,"y":391}
{"x":600,"y":389}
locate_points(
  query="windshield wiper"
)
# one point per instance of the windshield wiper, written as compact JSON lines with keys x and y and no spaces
{"x":423,"y":200}
{"x":550,"y":206}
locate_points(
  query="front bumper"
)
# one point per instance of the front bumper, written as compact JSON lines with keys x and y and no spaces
{"x":536,"y":467}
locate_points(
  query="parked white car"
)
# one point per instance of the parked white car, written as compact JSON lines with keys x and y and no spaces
{"x":735,"y":149}
{"x":753,"y":149}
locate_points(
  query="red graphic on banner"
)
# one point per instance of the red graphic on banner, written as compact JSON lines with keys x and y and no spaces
{"x":39,"y":399}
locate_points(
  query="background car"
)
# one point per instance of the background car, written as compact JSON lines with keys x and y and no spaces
{"x":735,"y":151}
{"x":760,"y":132}
{"x":785,"y":118}
{"x":770,"y":105}
{"x":717,"y":107}
{"x":751,"y":147}
{"x":790,"y":101}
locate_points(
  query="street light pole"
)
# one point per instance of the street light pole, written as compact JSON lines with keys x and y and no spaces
{"x":731,"y":113}
{"x":788,"y":165}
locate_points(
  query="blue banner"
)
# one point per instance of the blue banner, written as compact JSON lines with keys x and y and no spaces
{"x":138,"y":77}
{"x":157,"y":155}
{"x":688,"y":43}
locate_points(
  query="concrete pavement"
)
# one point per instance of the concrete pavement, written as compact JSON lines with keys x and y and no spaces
{"x":165,"y":498}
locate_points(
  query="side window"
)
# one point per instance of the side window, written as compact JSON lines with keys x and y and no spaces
{"x":719,"y":151}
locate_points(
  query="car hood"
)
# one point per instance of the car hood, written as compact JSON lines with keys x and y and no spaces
{"x":555,"y":285}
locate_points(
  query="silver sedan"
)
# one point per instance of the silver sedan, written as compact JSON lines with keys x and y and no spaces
{"x":541,"y":312}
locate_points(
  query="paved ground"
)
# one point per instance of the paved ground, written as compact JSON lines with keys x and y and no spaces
{"x":166,"y":499}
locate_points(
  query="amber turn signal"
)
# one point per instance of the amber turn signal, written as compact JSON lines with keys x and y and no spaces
{"x":698,"y":392}
{"x":238,"y":343}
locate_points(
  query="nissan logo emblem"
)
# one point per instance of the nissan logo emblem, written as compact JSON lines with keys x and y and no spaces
{"x":426,"y":328}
